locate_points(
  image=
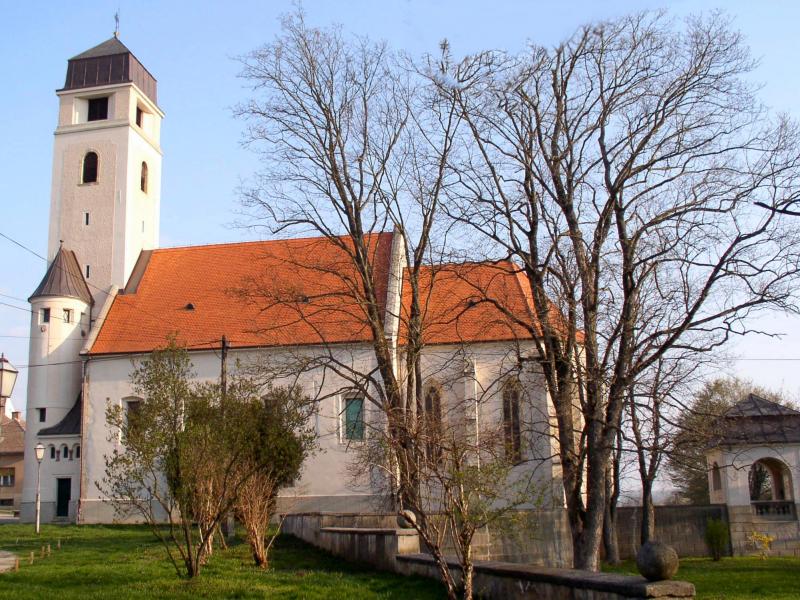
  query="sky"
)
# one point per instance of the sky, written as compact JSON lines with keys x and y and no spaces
{"x":191,"y":47}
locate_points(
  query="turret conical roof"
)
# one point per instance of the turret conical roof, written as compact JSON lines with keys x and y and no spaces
{"x":64,"y":279}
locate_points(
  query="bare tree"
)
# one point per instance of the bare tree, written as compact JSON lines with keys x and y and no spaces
{"x":352,"y":146}
{"x":620,"y":170}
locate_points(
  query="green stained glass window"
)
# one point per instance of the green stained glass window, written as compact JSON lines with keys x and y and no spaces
{"x":354,"y":419}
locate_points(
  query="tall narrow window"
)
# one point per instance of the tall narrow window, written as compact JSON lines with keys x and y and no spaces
{"x":98,"y":109}
{"x":143,"y":182}
{"x":716,"y":478}
{"x":42,"y":415}
{"x":45,"y":315}
{"x":511,"y":421}
{"x":87,"y":271}
{"x":52,"y":452}
{"x":86,"y":218}
{"x":433,"y":420}
{"x":132,"y":414}
{"x":89,"y":168}
{"x":67,"y":315}
{"x":354,"y":419}
{"x":139,"y":116}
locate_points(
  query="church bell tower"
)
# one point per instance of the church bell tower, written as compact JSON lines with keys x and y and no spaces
{"x":106,"y":165}
{"x":104,"y":211}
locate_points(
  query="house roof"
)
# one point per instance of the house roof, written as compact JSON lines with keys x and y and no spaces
{"x":756,"y":406}
{"x":64,"y":279}
{"x":13,"y":436}
{"x":475,"y":302}
{"x":756,"y":420}
{"x":70,"y":424}
{"x":271,"y":293}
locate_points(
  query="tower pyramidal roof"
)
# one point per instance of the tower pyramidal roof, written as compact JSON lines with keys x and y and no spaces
{"x":64,"y":279}
{"x":108,"y":48}
{"x":109,"y":63}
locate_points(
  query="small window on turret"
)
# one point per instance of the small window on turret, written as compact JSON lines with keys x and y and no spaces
{"x":67,"y":315}
{"x":42,"y":415}
{"x":87,"y":271}
{"x":98,"y":109}
{"x":45,"y":315}
{"x":139,"y":116}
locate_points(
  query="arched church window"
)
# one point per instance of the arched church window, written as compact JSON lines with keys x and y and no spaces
{"x":89,"y":168}
{"x":52,"y":452}
{"x":143,"y":182}
{"x":512,"y":434}
{"x":716,"y":478}
{"x":64,"y":451}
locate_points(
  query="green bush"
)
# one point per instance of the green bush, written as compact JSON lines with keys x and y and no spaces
{"x":717,"y":537}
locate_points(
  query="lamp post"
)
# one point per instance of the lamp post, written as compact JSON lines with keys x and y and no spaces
{"x":39,"y":456}
{"x":8,"y":377}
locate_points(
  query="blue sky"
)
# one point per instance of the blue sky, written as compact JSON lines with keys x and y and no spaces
{"x":190,"y":47}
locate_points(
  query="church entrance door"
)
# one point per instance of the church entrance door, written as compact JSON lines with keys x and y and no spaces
{"x":63,"y":497}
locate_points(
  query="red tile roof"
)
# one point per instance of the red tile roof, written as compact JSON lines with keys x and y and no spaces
{"x":470,"y":302}
{"x":280,"y":292}
{"x":475,"y":302}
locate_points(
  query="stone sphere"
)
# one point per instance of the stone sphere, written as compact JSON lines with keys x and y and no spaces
{"x":406,"y":519}
{"x":657,"y":561}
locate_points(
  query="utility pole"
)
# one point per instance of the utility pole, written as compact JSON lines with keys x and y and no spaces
{"x":223,"y":376}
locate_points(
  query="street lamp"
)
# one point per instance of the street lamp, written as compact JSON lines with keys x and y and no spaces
{"x":8,"y":377}
{"x":39,"y":456}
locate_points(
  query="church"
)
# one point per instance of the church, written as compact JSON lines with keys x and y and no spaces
{"x":110,"y":296}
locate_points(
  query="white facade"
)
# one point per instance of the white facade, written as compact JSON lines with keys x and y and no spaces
{"x":327,"y":482}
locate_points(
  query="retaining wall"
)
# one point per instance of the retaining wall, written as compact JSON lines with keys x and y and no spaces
{"x":682,"y":527}
{"x":397,"y":550}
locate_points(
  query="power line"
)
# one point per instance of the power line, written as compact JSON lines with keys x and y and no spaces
{"x":89,"y":284}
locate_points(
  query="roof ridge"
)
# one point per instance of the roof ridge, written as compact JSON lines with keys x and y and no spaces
{"x":254,"y":242}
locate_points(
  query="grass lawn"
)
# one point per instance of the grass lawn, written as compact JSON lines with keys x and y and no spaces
{"x":122,"y":562}
{"x":737,"y":578}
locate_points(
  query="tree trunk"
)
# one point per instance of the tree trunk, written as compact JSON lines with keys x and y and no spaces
{"x":610,"y":541}
{"x":648,"y":513}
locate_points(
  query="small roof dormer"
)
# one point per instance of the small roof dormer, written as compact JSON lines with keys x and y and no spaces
{"x":64,"y":279}
{"x":106,"y":64}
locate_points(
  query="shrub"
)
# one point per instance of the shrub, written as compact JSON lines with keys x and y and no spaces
{"x":762,"y":543}
{"x":717,"y":537}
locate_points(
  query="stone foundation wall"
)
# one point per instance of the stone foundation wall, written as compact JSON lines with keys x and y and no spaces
{"x":744,"y":522}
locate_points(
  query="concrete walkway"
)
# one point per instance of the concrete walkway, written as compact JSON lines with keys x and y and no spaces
{"x":7,"y":561}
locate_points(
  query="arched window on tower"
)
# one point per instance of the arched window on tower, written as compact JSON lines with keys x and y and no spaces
{"x":89,"y":168}
{"x":512,"y":393}
{"x":143,"y":182}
